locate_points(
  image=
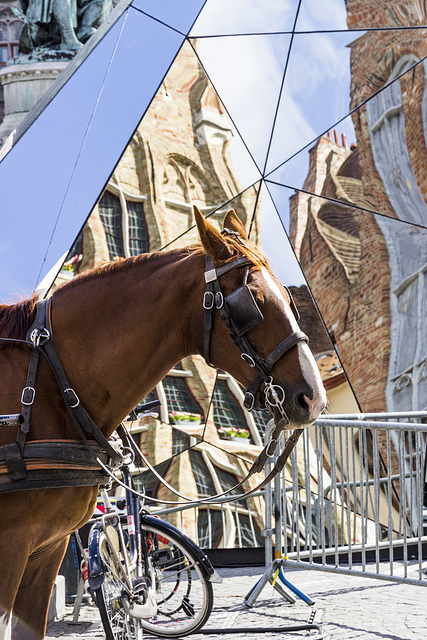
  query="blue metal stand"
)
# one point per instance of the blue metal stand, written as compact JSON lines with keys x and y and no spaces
{"x":270,"y":575}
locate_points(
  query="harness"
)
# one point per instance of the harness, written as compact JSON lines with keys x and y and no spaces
{"x":53,"y":463}
{"x":65,"y":463}
{"x":240,"y":313}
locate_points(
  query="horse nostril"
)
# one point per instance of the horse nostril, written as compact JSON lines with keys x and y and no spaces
{"x":302,"y":402}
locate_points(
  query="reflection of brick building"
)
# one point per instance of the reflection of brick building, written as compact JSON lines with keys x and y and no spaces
{"x":178,"y":157}
{"x":346,"y":263}
{"x":391,"y":131}
{"x":366,"y":270}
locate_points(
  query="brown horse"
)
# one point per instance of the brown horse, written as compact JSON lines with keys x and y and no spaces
{"x":118,"y":330}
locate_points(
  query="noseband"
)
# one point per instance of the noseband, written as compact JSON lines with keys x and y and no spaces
{"x":240,"y":313}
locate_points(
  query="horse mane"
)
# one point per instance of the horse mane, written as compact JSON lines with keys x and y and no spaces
{"x":248,"y":249}
{"x":16,"y":319}
{"x":110,"y":268}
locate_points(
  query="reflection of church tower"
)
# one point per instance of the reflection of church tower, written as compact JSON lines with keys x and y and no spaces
{"x":180,"y":156}
{"x":343,"y":256}
{"x":392,"y":132}
{"x":367,"y":271}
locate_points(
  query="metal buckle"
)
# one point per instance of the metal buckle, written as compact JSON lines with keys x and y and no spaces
{"x":219,"y":300}
{"x":249,"y":401}
{"x":77,"y":401}
{"x":208,"y":300}
{"x":30,"y":400}
{"x":210,"y":276}
{"x":39,"y":336}
{"x":247,"y":358}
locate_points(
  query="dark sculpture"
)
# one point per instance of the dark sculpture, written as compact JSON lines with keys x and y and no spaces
{"x":63,"y":25}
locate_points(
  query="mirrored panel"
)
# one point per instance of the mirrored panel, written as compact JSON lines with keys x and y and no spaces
{"x":220,"y":17}
{"x":366,"y":275}
{"x":247,"y":74}
{"x":77,"y":159}
{"x":179,"y":15}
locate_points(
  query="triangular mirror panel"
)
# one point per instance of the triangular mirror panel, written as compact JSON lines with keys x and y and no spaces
{"x":65,"y":186}
{"x":315,"y":92}
{"x":179,"y":15}
{"x":364,"y":271}
{"x":247,"y":73}
{"x":220,"y":17}
{"x":275,"y":243}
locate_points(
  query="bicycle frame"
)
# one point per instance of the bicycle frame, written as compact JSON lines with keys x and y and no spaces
{"x":134,"y":568}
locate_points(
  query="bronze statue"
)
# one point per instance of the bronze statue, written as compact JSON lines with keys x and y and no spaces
{"x":60,"y":24}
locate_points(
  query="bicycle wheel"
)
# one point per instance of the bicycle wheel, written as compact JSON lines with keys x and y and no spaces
{"x":174,"y":598}
{"x":184,"y":595}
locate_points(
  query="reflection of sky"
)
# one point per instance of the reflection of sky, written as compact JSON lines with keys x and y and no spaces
{"x":275,"y":243}
{"x":246,"y":71}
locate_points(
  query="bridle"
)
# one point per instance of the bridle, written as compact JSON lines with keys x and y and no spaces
{"x":240,"y":313}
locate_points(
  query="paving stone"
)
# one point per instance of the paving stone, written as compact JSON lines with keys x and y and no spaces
{"x":350,"y":608}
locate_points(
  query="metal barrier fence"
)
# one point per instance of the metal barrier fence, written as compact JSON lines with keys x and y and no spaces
{"x":353,"y":499}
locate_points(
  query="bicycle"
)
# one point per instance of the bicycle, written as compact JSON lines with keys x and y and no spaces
{"x":144,"y":574}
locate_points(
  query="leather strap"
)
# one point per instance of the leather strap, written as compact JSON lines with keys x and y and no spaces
{"x":78,"y":413}
{"x":15,"y":464}
{"x":29,"y":392}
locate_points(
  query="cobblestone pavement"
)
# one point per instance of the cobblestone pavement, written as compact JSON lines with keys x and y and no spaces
{"x":347,"y":608}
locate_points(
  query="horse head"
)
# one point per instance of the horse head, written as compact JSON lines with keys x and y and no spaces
{"x":247,"y":309}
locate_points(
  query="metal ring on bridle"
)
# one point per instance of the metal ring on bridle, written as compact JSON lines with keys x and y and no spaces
{"x":273,"y":393}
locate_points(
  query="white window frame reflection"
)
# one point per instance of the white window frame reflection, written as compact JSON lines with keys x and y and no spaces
{"x":231,"y":534}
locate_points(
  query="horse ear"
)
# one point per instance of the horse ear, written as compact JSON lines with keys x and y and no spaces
{"x":212,"y":241}
{"x":232,"y":222}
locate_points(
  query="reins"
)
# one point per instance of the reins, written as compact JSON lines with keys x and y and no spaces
{"x":239,"y":312}
{"x":280,"y":463}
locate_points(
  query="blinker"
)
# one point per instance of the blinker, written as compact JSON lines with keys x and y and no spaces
{"x":243,"y":310}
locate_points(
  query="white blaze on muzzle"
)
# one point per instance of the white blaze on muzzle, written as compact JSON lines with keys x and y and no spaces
{"x":307,"y":362}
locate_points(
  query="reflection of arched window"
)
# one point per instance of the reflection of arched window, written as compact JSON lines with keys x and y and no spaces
{"x":179,"y":396}
{"x":228,"y":525}
{"x":386,"y":122}
{"x":202,"y":477}
{"x":138,"y":235}
{"x":227,"y":412}
{"x":110,"y":213}
{"x":124,"y":224}
{"x":209,"y":528}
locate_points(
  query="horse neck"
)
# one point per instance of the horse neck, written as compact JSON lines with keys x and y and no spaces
{"x":118,"y":335}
